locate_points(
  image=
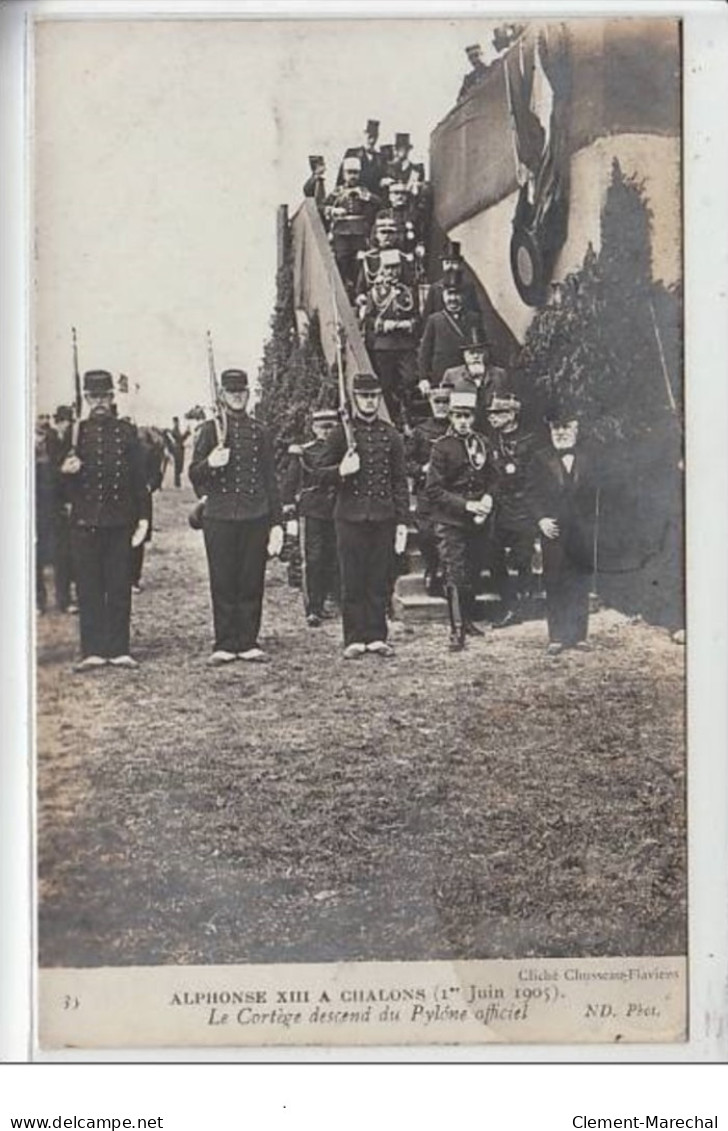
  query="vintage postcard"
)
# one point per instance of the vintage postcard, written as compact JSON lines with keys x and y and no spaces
{"x":359,"y":388}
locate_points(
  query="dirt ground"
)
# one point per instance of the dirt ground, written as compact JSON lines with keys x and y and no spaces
{"x":495,"y":803}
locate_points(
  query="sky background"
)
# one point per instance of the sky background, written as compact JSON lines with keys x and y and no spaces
{"x":162,"y":150}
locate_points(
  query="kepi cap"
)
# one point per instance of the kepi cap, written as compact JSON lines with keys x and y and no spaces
{"x":234,"y":380}
{"x":98,"y":381}
{"x":464,"y":395}
{"x":366,"y":383}
{"x":324,"y":415}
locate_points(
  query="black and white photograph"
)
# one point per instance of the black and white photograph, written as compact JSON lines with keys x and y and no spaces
{"x":359,"y":433}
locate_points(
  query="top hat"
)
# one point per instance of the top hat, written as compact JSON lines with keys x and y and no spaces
{"x":234,"y":380}
{"x":474,"y":339}
{"x":402,"y":141}
{"x":386,"y":152}
{"x":98,"y":381}
{"x":451,"y":250}
{"x":315,"y":162}
{"x":372,"y":127}
{"x":366,"y":383}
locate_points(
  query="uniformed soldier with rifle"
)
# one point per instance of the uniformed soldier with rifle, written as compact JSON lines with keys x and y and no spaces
{"x":233,"y":468}
{"x":311,"y":506}
{"x":105,"y":484}
{"x":365,"y":458}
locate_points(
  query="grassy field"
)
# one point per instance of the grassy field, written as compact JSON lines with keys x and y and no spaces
{"x":495,"y":803}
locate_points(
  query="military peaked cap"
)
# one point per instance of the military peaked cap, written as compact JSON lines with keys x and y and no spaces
{"x":366,"y":383}
{"x":464,"y":395}
{"x":324,"y":415}
{"x":98,"y":381}
{"x":234,"y":380}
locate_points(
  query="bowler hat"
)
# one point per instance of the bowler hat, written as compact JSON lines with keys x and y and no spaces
{"x":98,"y":381}
{"x":63,"y":412}
{"x":234,"y":380}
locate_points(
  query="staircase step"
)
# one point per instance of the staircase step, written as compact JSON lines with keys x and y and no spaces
{"x":419,"y":608}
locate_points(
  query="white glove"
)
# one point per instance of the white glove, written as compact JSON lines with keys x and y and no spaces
{"x":140,"y":533}
{"x":219,"y":457}
{"x":292,"y":528}
{"x":295,"y":450}
{"x":350,"y":464}
{"x":549,"y":527}
{"x":400,"y":538}
{"x":71,"y":465}
{"x":275,"y":541}
{"x":424,"y":386}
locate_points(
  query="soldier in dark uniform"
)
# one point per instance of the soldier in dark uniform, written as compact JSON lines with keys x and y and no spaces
{"x":311,"y":506}
{"x":104,"y":480}
{"x":444,"y":336}
{"x":385,"y":236}
{"x":176,"y":442}
{"x":419,"y":450}
{"x":561,"y":490}
{"x":460,"y":489}
{"x":44,"y":511}
{"x":371,"y":513}
{"x":58,"y":442}
{"x":232,"y":466}
{"x":404,"y":212}
{"x":391,"y":324}
{"x":350,"y":212}
{"x":513,"y":530}
{"x":479,"y":70}
{"x":153,"y":455}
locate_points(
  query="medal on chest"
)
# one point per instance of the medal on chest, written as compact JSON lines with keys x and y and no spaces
{"x":476,"y":452}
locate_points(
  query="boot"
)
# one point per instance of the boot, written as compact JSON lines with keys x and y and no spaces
{"x":467,"y":601}
{"x":457,"y":625}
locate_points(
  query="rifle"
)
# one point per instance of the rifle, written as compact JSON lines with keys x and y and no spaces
{"x":344,"y":412}
{"x":218,"y":412}
{"x":77,"y":395}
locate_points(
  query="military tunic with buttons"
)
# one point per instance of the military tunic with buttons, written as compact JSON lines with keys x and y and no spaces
{"x":369,"y":506}
{"x":242,"y":504}
{"x":108,"y":496}
{"x":461,"y":471}
{"x":313,"y":504}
